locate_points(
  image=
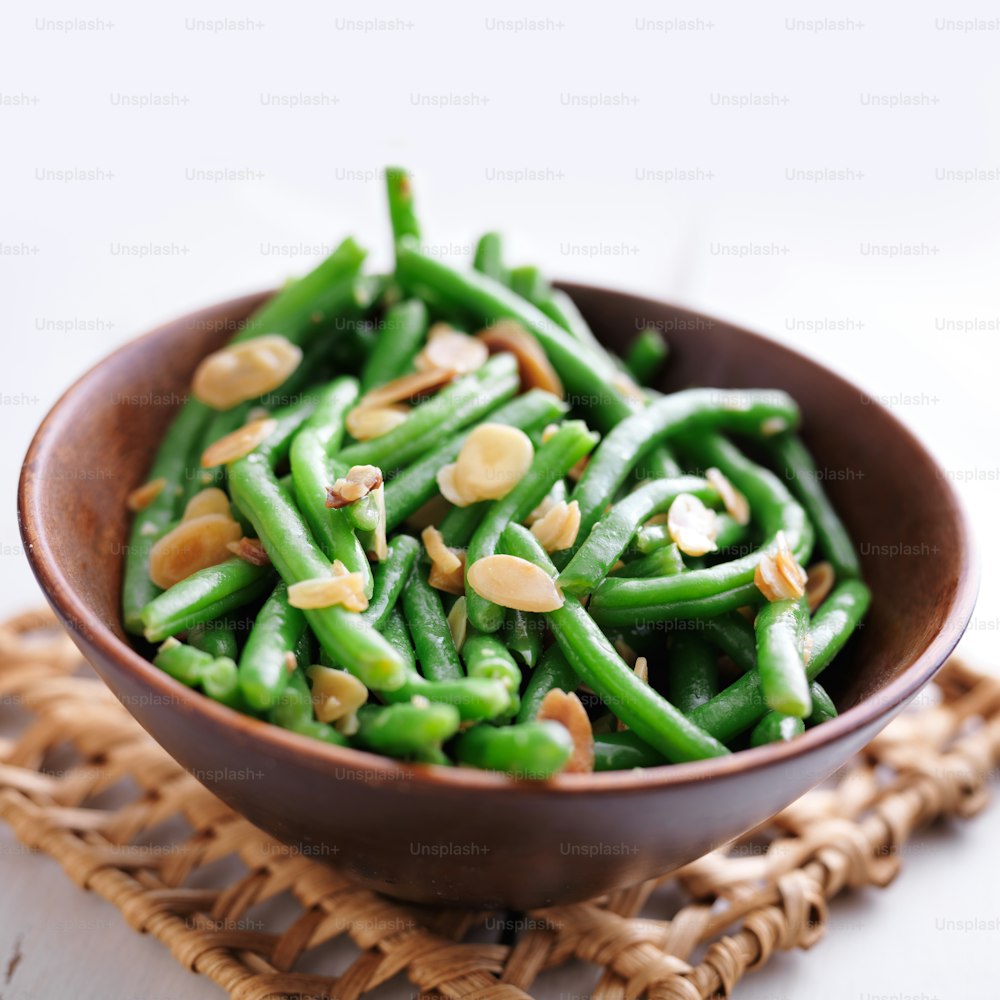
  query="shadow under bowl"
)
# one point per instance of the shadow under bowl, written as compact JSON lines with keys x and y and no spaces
{"x":469,"y":837}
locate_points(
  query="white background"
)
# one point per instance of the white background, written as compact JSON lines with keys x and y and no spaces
{"x":152,"y":164}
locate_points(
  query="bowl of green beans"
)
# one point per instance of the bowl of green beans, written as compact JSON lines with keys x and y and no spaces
{"x":487,"y":590}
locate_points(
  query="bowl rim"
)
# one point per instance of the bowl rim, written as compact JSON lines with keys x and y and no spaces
{"x":318,"y":755}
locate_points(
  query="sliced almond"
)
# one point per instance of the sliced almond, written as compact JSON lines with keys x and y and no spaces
{"x":448,"y":349}
{"x":452,"y":582}
{"x":347,"y":590}
{"x":210,"y":501}
{"x":778,"y":576}
{"x":533,"y":365}
{"x":380,"y":543}
{"x":773,"y":425}
{"x":553,"y":497}
{"x":245,"y":370}
{"x":366,"y":422}
{"x":567,"y":709}
{"x":640,"y":667}
{"x":558,"y":529}
{"x":625,"y":651}
{"x":692,"y":525}
{"x":820,"y":580}
{"x":736,"y":503}
{"x":250,"y":550}
{"x":458,"y":624}
{"x":406,"y":387}
{"x":492,"y":461}
{"x":359,"y":482}
{"x":238,"y":444}
{"x":515,"y":583}
{"x":142,"y":496}
{"x":191,"y":546}
{"x":449,"y":488}
{"x":442,"y":556}
{"x":336,"y":694}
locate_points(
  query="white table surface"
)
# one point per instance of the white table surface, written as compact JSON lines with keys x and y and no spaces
{"x":153,"y":163}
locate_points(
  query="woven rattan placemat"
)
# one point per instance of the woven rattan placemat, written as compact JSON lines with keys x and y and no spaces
{"x":727,"y":912}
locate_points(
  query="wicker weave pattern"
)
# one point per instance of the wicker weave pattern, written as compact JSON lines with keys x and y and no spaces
{"x":769,"y":893}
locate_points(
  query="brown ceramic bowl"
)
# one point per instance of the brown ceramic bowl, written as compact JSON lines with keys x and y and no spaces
{"x":465,"y":836}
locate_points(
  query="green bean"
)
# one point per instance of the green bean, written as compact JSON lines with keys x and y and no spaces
{"x":347,"y":639}
{"x":646,"y":355}
{"x":429,"y":629}
{"x":776,"y":728}
{"x":183,"y":662}
{"x":406,"y":730}
{"x":598,"y":665}
{"x":217,"y":637}
{"x":622,"y":751}
{"x":660,"y":562}
{"x":552,"y":461}
{"x":399,"y":338}
{"x":312,"y":473}
{"x":488,"y":258}
{"x":742,"y":704}
{"x":264,"y":665}
{"x":363,"y":514}
{"x":401,"y":211}
{"x":527,"y":281}
{"x":704,"y":592}
{"x":734,"y":635}
{"x":744,"y":410}
{"x":586,"y":371}
{"x":781,"y":631}
{"x":832,"y":538}
{"x":533,"y":751}
{"x":294,"y":711}
{"x":562,"y":310}
{"x":651,"y":537}
{"x":486,"y":656}
{"x":460,"y":523}
{"x":553,"y":672}
{"x":459,"y":404}
{"x":414,"y":485}
{"x":728,"y":532}
{"x":203,"y":597}
{"x":610,"y":536}
{"x":523,"y":635}
{"x":220,"y":681}
{"x":823,"y":708}
{"x":694,"y":671}
{"x":390,"y":577}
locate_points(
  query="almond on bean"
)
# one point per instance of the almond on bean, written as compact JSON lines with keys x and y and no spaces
{"x":209,"y":501}
{"x":142,"y":496}
{"x":451,"y":582}
{"x":567,"y":709}
{"x":449,"y":488}
{"x":492,"y":461}
{"x":692,"y":525}
{"x":191,"y":546}
{"x":366,"y":422}
{"x":250,"y":550}
{"x":458,"y":623}
{"x":442,"y":556}
{"x":451,"y":350}
{"x":558,"y":529}
{"x":359,"y":482}
{"x":778,"y":575}
{"x":245,"y":370}
{"x":820,"y":580}
{"x":535,"y":369}
{"x":336,"y":694}
{"x":735,"y":502}
{"x":406,"y":387}
{"x":238,"y":444}
{"x":515,"y":583}
{"x":346,"y":590}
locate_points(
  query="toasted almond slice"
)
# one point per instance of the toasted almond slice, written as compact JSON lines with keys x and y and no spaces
{"x":380,"y":543}
{"x":238,"y":444}
{"x":325,"y":591}
{"x":191,"y":546}
{"x":736,"y":503}
{"x":449,"y":488}
{"x":336,"y":694}
{"x":567,"y":709}
{"x":533,"y":365}
{"x":820,"y":580}
{"x":625,"y":651}
{"x":692,"y":525}
{"x":448,"y":349}
{"x":142,"y":496}
{"x":778,"y":576}
{"x":442,"y":557}
{"x":450,"y":583}
{"x":492,"y":461}
{"x":515,"y":583}
{"x":366,"y":422}
{"x":458,"y":623}
{"x":641,"y":670}
{"x":245,"y":370}
{"x":359,"y":482}
{"x":559,"y":527}
{"x":250,"y":550}
{"x":406,"y":387}
{"x":550,"y":500}
{"x":773,"y":425}
{"x":210,"y":501}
